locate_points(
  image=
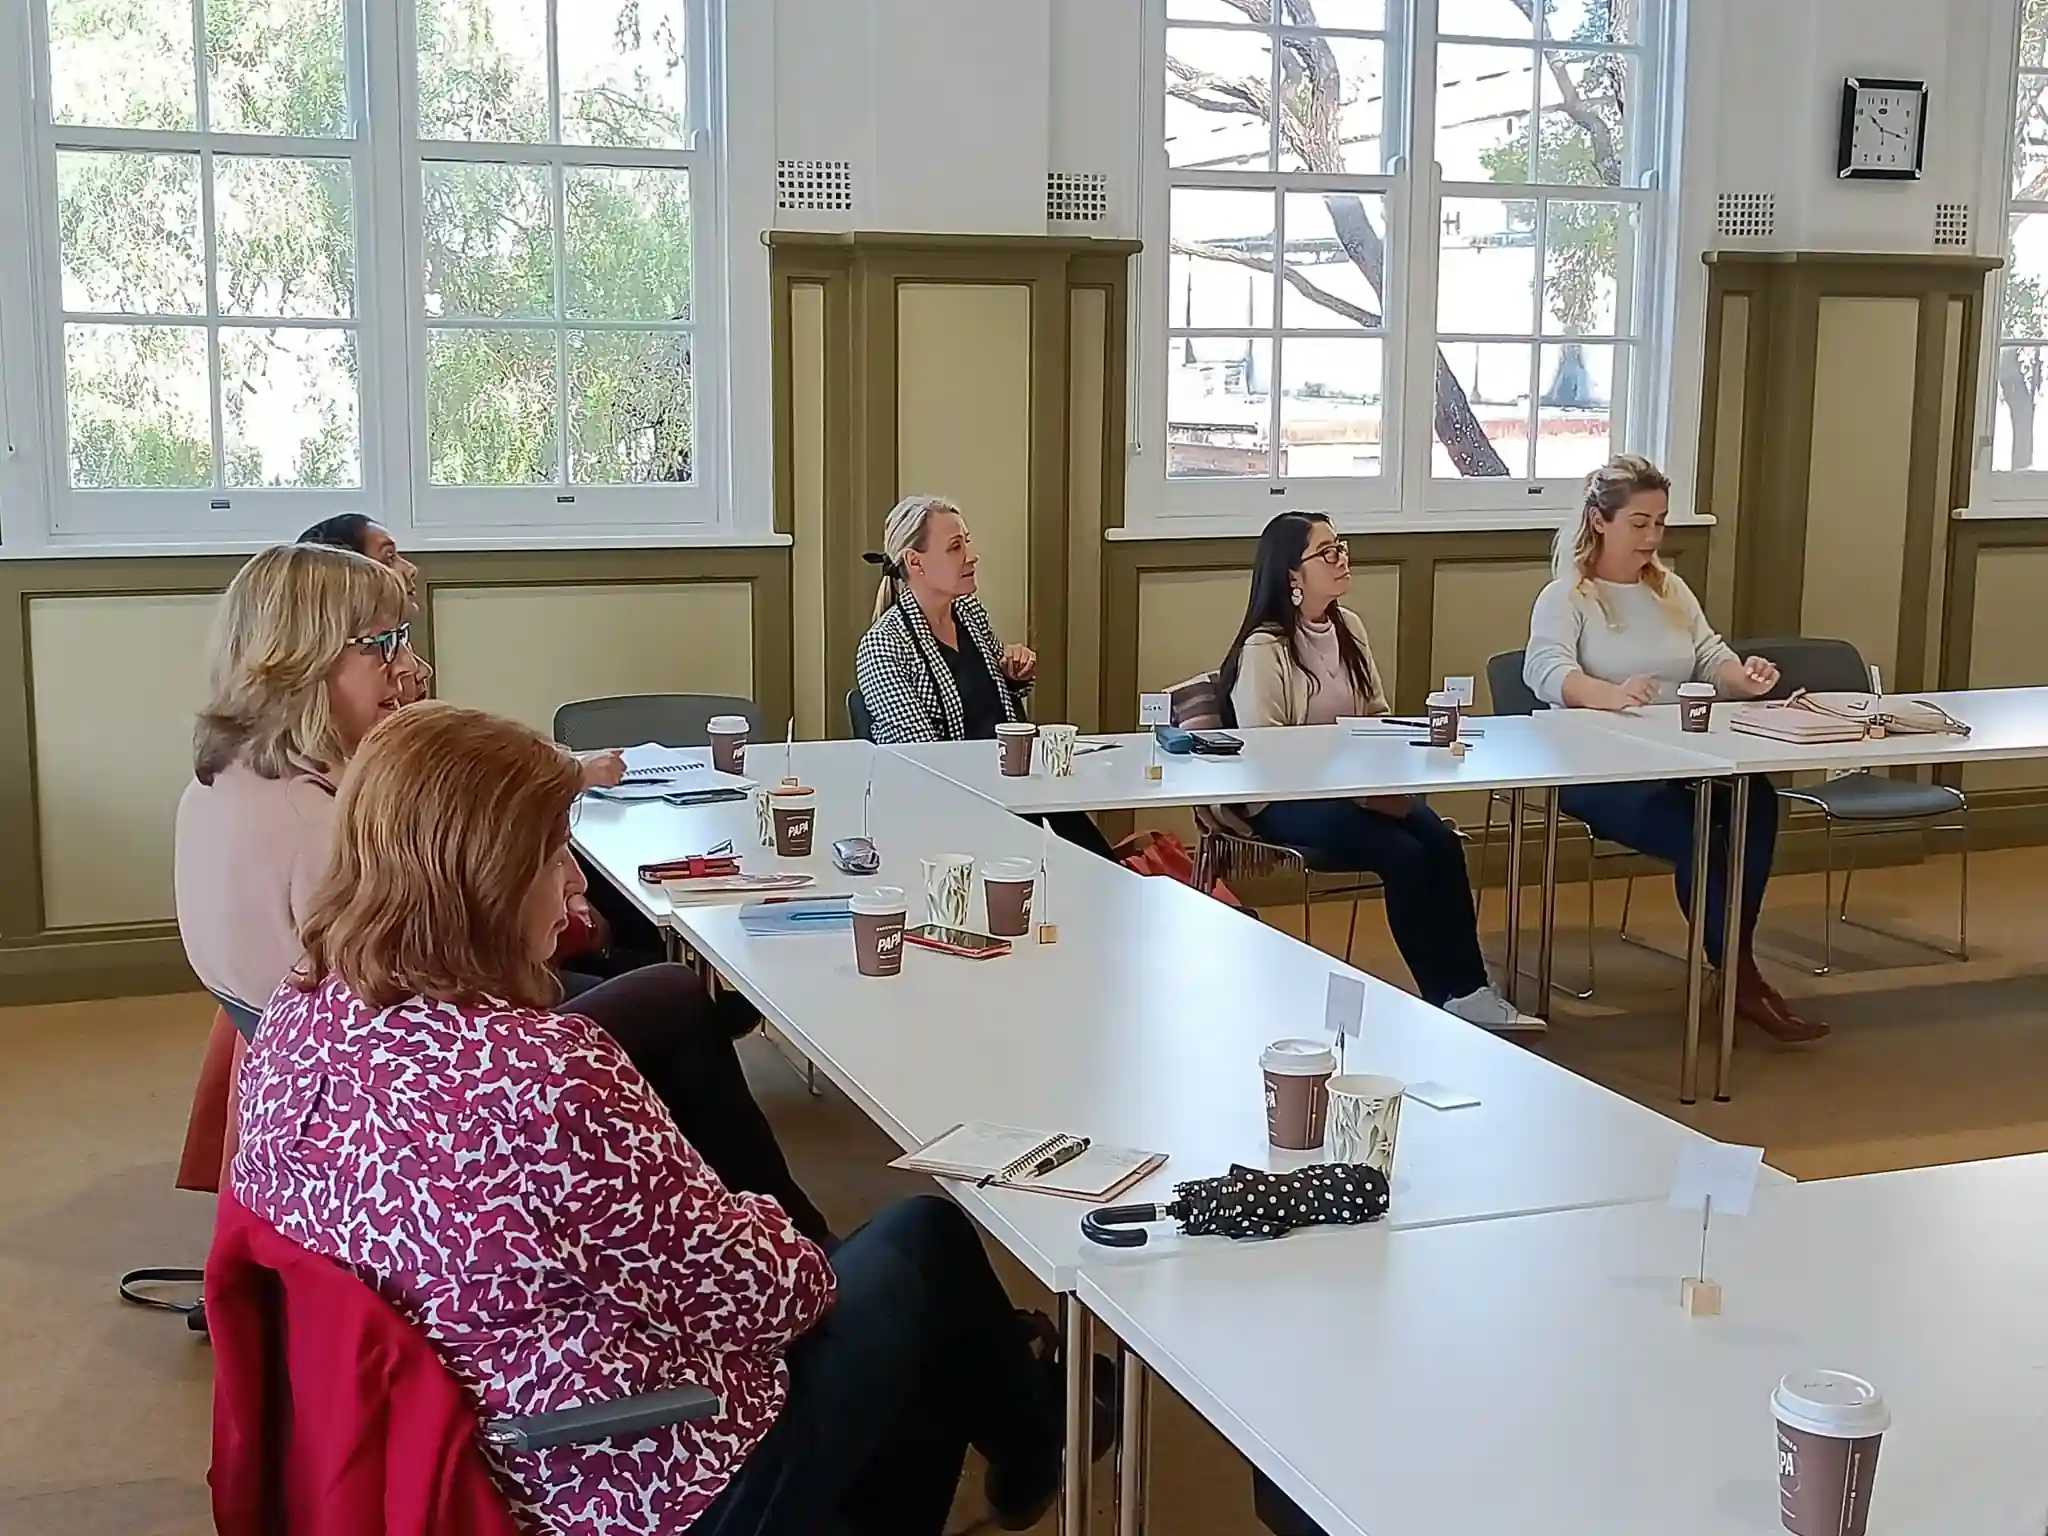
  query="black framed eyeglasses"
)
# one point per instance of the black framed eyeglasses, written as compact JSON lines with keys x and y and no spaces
{"x":1330,"y":554}
{"x":387,"y":644}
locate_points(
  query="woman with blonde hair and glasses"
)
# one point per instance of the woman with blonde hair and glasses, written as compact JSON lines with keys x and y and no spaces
{"x":418,"y":1108}
{"x":310,"y":651}
{"x":930,"y":667}
{"x":1618,"y":629}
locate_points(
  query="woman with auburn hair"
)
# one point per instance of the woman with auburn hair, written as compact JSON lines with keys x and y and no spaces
{"x":510,"y":1182}
{"x":1619,"y":629}
{"x":311,"y":650}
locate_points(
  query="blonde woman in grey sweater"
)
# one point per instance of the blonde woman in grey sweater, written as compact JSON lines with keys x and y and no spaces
{"x":1617,"y":629}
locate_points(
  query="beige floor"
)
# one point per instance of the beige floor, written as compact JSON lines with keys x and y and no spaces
{"x":104,"y":1409}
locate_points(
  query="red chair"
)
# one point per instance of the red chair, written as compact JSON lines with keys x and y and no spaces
{"x":332,"y":1416}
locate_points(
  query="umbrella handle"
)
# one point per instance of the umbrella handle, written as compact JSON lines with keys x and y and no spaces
{"x":1120,"y":1226}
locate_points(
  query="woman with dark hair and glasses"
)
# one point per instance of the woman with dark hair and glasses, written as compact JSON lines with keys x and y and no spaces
{"x":1302,"y":658}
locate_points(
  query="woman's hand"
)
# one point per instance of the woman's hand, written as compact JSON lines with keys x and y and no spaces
{"x":1632,"y":694}
{"x":603,"y":770}
{"x":1019,"y":663}
{"x":1757,"y":676}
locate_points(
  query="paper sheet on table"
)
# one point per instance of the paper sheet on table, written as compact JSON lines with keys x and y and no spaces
{"x":674,"y":768}
{"x":1718,"y":1171}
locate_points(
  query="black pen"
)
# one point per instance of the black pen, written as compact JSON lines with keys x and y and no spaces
{"x":1059,"y":1159}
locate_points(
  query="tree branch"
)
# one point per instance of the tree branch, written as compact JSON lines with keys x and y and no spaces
{"x":1576,"y":107}
{"x":1240,"y":97}
{"x":1357,"y":314}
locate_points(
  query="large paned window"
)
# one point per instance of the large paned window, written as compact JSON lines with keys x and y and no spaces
{"x":438,"y":259}
{"x":2019,"y":421}
{"x":1346,"y":330}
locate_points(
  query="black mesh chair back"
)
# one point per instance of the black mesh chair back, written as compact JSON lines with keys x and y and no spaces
{"x":1511,"y":695}
{"x":858,"y":715}
{"x":1818,"y":666}
{"x":670,"y":719}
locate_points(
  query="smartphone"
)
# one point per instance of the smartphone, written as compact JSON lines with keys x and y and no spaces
{"x":1217,"y":743}
{"x":957,"y":941}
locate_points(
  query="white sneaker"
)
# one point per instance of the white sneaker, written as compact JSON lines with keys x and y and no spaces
{"x":1489,"y":1010}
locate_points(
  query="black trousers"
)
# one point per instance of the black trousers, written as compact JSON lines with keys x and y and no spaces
{"x":1077,"y":828}
{"x":666,"y":1022}
{"x":921,"y":1356}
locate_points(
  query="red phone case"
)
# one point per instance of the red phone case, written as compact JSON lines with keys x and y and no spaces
{"x":996,"y":946}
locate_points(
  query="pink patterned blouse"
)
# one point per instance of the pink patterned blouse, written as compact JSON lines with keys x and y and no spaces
{"x":509,"y":1182}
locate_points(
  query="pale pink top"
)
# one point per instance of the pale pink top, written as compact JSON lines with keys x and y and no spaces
{"x":250,"y":851}
{"x":1333,"y":694}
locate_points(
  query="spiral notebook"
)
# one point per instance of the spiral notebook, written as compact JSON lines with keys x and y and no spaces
{"x":984,"y":1154}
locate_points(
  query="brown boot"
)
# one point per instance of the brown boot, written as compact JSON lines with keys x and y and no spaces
{"x":1764,"y":1006}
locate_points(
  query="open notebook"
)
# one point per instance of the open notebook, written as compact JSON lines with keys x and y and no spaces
{"x":986,"y":1154}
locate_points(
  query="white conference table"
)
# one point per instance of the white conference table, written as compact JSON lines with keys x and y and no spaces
{"x":2006,"y":724}
{"x":1538,"y":1376}
{"x":1515,"y":754}
{"x":619,"y":836}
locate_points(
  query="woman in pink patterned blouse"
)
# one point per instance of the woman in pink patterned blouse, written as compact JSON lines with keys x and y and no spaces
{"x":508,"y":1180}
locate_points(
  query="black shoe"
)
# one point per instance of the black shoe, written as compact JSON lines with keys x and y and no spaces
{"x":735,"y":1014}
{"x":1017,"y":1502}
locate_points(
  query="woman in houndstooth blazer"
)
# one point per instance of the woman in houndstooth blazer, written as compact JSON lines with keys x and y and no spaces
{"x":930,"y":667}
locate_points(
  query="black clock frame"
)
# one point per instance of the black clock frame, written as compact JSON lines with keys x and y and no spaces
{"x":1844,"y":171}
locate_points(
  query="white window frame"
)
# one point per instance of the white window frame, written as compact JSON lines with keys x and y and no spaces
{"x":41,"y":513}
{"x":1998,"y":492}
{"x":1405,"y":492}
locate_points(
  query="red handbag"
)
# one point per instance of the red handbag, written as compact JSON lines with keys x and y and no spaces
{"x":587,"y":933}
{"x":1164,"y":855}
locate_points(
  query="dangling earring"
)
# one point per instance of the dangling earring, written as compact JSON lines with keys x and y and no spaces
{"x":1295,"y":594}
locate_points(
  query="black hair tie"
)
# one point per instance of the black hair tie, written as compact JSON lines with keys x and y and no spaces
{"x":889,"y":567}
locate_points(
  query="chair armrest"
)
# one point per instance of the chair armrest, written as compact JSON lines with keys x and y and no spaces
{"x":624,"y":1418}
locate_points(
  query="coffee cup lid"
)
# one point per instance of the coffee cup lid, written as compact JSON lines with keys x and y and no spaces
{"x":1299,"y":1058}
{"x":1442,"y":700}
{"x":1071,"y":730}
{"x":1364,"y":1086}
{"x":1831,"y":1403}
{"x":1016,"y":728}
{"x":881,"y":900}
{"x":726,"y":725}
{"x":1010,"y":869}
{"x":1695,"y":690}
{"x":792,"y":790}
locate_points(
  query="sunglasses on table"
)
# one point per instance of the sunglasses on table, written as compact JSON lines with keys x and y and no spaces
{"x":387,"y":644}
{"x":1330,"y":554}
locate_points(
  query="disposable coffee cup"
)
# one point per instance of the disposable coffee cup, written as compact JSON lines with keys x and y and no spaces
{"x":1364,"y":1120}
{"x":764,"y":817}
{"x":1829,"y":1427}
{"x":796,"y":817}
{"x":1298,"y":1076}
{"x":1695,"y":707}
{"x":878,"y":919}
{"x":948,"y":888}
{"x":1013,"y":739}
{"x":1006,"y":887}
{"x":728,"y":743}
{"x":1059,"y":749}
{"x":1443,"y":719}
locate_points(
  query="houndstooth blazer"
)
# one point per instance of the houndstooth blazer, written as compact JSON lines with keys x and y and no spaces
{"x":904,"y":679}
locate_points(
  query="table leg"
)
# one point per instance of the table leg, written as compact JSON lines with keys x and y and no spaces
{"x":1512,"y":981}
{"x":1731,"y":935}
{"x":1696,"y":946}
{"x":1078,"y":1347}
{"x":1133,"y":1443}
{"x":1548,"y":914}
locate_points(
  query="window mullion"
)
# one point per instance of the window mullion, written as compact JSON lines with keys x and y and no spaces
{"x":1423,"y":239}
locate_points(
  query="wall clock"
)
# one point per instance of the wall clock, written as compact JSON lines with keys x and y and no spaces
{"x":1884,"y":130}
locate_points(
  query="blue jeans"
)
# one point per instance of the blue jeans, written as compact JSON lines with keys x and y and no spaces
{"x":1422,"y":865}
{"x":1656,"y":819}
{"x":921,"y":1356}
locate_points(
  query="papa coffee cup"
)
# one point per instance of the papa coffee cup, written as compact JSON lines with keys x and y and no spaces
{"x":878,"y":918}
{"x":1298,"y":1074}
{"x":1829,"y":1427}
{"x":1443,"y":719}
{"x":795,"y":810}
{"x":728,"y":743}
{"x":1013,"y":739}
{"x":1695,"y":706}
{"x":1364,"y":1120}
{"x":1006,"y":886}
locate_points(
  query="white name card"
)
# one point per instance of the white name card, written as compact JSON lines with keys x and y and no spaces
{"x":1155,"y":709}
